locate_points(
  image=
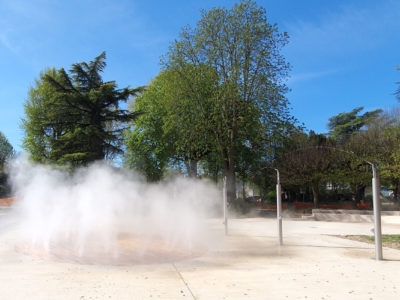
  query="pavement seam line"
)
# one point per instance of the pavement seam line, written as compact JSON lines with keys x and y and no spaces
{"x":184,"y":281}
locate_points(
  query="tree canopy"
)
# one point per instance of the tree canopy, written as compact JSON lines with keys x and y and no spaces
{"x":242,"y":51}
{"x":343,"y":125}
{"x":307,"y":159}
{"x":397,"y":93}
{"x":171,"y":128}
{"x":6,"y":152}
{"x":75,"y":118}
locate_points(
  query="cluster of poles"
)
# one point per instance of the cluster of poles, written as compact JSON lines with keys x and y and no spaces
{"x":376,"y":207}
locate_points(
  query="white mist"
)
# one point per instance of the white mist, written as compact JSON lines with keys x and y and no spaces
{"x":90,"y":211}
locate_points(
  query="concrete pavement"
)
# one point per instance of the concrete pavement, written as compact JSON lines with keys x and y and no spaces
{"x":246,"y":264}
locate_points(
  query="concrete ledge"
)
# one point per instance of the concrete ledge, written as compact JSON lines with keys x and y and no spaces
{"x":343,"y":217}
{"x":354,"y":212}
{"x":356,"y":216}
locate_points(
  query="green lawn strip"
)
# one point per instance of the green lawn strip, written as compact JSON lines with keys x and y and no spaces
{"x":388,"y":240}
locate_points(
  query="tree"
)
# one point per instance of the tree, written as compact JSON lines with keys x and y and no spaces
{"x":397,"y":93}
{"x":380,"y":143}
{"x":345,"y":128}
{"x":147,"y":147}
{"x":169,"y":129}
{"x":184,"y":102}
{"x":75,"y":118}
{"x":307,"y":160}
{"x":390,"y":157}
{"x":243,"y":51}
{"x":343,"y":125}
{"x":6,"y":152}
{"x":38,"y":131}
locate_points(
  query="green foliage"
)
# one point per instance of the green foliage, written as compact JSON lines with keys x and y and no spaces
{"x":391,"y":240}
{"x":75,"y":118}
{"x":343,"y":125}
{"x":380,"y":143}
{"x":241,"y":52}
{"x":307,"y":160}
{"x":171,"y":128}
{"x":372,"y":137}
{"x":218,"y":101}
{"x":38,"y":131}
{"x":147,"y":147}
{"x":397,"y":93}
{"x":6,"y":152}
{"x":188,"y":104}
{"x":351,"y":169}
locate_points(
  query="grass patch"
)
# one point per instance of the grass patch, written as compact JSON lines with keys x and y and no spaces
{"x":388,"y":240}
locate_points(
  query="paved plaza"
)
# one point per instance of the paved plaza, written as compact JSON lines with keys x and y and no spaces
{"x":247,"y":264}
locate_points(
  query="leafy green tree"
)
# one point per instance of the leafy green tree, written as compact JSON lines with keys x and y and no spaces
{"x":307,"y":160}
{"x":345,"y":128}
{"x":397,"y":93}
{"x":343,"y":125}
{"x":390,"y":158}
{"x":185,"y":102}
{"x":6,"y":152}
{"x":169,"y":129}
{"x":380,"y":143}
{"x":148,"y":149}
{"x":39,"y":133}
{"x":75,"y":118}
{"x":242,"y":49}
{"x":351,"y":171}
{"x":212,"y":166}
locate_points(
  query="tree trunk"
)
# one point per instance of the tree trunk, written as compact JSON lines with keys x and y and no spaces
{"x":216,"y":172}
{"x":191,"y":168}
{"x":229,"y":172}
{"x":396,"y":187}
{"x":360,"y":193}
{"x":315,"y":191}
{"x":353,"y":188}
{"x":244,"y":190}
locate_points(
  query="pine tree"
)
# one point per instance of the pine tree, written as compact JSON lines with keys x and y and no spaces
{"x":74,"y":118}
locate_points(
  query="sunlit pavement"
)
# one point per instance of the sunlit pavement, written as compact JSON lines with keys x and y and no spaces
{"x":246,"y":264}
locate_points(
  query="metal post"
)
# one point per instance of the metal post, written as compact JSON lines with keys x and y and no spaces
{"x":225,"y":206}
{"x":377,"y":213}
{"x":279,"y":207}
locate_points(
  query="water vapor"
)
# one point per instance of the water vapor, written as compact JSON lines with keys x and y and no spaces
{"x":101,"y":211}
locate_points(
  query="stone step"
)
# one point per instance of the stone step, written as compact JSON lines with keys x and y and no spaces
{"x":334,"y":217}
{"x":354,"y":212}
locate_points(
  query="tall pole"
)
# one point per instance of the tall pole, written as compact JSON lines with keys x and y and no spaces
{"x":377,"y":213}
{"x":279,"y":206}
{"x":225,"y":206}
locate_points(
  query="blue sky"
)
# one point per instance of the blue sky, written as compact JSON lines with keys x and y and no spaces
{"x":343,"y":53}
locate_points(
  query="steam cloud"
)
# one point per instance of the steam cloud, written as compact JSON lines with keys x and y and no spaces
{"x":99,"y":203}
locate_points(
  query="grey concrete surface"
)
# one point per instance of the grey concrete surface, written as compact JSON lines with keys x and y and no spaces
{"x":344,"y":215}
{"x":246,"y":264}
